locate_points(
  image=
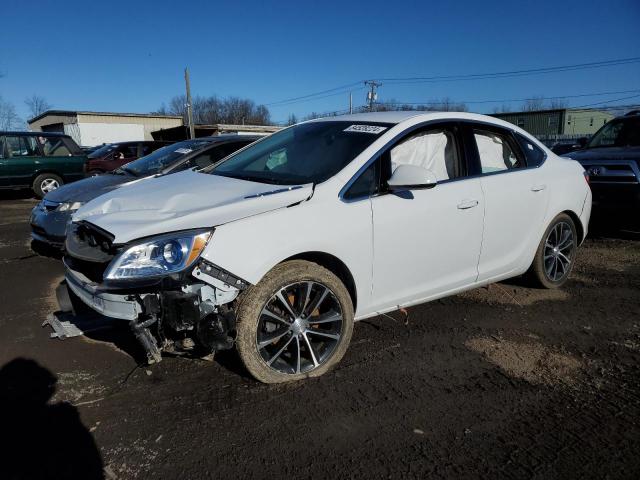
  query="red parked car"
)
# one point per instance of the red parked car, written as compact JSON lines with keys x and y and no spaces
{"x":113,"y":155}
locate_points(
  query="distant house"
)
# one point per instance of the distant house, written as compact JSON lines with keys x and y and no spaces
{"x":565,"y":121}
{"x":95,"y":128}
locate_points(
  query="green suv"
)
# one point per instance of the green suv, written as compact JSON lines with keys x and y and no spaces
{"x":40,"y":161}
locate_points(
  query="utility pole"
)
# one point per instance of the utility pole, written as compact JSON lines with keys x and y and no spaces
{"x":372,"y":96}
{"x":189,"y":105}
{"x":350,"y":103}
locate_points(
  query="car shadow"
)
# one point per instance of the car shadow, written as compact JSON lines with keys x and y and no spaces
{"x":40,"y":439}
{"x":17,"y":195}
{"x":45,"y":250}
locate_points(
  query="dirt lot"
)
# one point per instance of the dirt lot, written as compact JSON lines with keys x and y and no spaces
{"x":501,"y":382}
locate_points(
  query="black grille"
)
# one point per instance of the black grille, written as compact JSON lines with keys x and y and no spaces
{"x":87,"y":242}
{"x":92,"y":270}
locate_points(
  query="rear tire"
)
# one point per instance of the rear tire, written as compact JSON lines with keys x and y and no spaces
{"x":556,"y":254}
{"x":304,"y":338}
{"x":45,"y":183}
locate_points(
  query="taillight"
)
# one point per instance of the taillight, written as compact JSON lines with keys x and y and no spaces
{"x":586,"y":176}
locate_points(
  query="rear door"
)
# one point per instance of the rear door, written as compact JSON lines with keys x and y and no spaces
{"x":61,"y":156}
{"x":22,"y":159}
{"x":426,"y":242}
{"x":516,"y":199}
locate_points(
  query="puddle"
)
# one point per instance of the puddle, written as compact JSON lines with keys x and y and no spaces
{"x":529,"y":361}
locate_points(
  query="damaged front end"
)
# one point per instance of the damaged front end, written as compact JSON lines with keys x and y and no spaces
{"x":174,"y":300}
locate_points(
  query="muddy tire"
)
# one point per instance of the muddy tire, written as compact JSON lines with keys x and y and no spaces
{"x":45,"y":183}
{"x":556,"y":254}
{"x":295,"y":323}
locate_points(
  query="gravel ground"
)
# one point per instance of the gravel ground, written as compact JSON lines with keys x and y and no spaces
{"x":500,"y":382}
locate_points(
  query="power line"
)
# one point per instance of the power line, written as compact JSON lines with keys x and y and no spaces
{"x":513,"y":73}
{"x":514,"y":99}
{"x":447,"y":78}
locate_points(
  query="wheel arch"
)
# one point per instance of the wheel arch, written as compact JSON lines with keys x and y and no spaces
{"x":37,"y":173}
{"x":577,"y":222}
{"x":335,"y":266}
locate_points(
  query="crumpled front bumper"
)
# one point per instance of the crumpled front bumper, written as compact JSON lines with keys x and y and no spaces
{"x":121,"y":307}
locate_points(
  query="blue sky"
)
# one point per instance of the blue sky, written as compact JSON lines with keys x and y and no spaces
{"x":129,"y":55}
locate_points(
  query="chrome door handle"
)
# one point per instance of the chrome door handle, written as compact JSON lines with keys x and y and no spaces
{"x":467,"y":204}
{"x":538,"y":188}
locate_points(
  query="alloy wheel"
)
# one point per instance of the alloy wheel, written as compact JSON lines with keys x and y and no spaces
{"x":49,"y":184}
{"x":299,"y":328}
{"x":559,"y":250}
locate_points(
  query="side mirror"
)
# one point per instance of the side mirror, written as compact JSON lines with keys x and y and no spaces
{"x":411,"y":177}
{"x":582,"y":141}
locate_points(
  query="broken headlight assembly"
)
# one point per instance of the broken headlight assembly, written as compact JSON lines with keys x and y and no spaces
{"x":157,"y":256}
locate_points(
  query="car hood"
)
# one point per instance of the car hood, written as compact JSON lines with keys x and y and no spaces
{"x":609,"y":153}
{"x":88,"y":188}
{"x":184,"y":201}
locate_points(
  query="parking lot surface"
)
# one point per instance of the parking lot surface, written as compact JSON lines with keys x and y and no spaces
{"x":501,"y":382}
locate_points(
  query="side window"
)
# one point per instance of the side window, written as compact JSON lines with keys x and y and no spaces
{"x":213,"y":155}
{"x":366,"y":184}
{"x":497,"y":151}
{"x":54,"y":147}
{"x":535,"y":156}
{"x":435,"y":150}
{"x":21,"y":146}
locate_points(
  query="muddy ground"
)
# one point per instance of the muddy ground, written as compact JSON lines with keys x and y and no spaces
{"x":500,"y":382}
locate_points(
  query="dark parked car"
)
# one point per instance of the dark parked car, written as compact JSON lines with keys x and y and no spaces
{"x":39,"y":161}
{"x":612,"y":161}
{"x":50,"y":217}
{"x":114,"y":155}
{"x":566,"y":146}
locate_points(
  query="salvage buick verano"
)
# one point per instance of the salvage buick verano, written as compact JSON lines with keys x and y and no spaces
{"x":278,"y":248}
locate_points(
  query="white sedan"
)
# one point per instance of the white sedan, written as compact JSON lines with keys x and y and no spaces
{"x":277,"y":249}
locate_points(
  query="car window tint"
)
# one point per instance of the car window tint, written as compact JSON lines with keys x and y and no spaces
{"x":535,"y":155}
{"x":433,"y":150}
{"x":54,"y":146}
{"x":21,"y":147}
{"x":496,"y":152}
{"x":366,"y":184}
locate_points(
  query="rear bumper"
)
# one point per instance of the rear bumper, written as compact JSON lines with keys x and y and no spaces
{"x":111,"y":305}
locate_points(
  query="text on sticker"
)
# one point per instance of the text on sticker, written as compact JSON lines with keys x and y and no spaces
{"x":365,"y":129}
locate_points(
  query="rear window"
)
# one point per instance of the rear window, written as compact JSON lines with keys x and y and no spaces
{"x":534,"y":154}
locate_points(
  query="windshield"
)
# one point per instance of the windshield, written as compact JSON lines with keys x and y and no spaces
{"x":163,"y":157}
{"x":621,"y":132}
{"x":306,"y":153}
{"x":102,"y":151}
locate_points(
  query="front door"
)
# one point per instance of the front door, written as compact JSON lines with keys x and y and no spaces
{"x":426,"y":242}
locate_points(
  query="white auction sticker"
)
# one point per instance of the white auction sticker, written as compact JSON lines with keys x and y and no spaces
{"x":375,"y":129}
{"x":184,"y":151}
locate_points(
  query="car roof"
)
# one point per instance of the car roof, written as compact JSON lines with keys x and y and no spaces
{"x":34,"y":134}
{"x":403,"y":116}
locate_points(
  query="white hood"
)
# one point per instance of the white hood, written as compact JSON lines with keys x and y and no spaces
{"x":183,"y":201}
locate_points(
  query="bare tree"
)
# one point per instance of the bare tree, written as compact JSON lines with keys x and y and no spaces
{"x":9,"y":119}
{"x":533,"y":104}
{"x":36,"y":105}
{"x":558,"y":103}
{"x":212,"y":110}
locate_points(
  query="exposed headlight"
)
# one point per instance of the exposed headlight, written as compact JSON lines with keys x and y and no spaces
{"x":158,"y":256}
{"x":69,"y":206}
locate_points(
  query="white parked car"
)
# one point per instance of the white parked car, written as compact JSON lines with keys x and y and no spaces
{"x":282,"y":245}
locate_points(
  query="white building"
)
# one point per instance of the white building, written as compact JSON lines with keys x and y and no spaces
{"x":95,"y":128}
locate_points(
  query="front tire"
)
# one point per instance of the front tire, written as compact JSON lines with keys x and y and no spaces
{"x":295,"y":323}
{"x":556,"y":254}
{"x":45,"y":183}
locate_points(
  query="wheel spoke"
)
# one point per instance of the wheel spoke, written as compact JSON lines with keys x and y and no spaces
{"x":298,"y":354}
{"x":307,"y":296}
{"x":328,"y":317}
{"x":272,"y":315}
{"x":334,"y":336}
{"x":310,"y":348}
{"x":285,"y":303}
{"x":316,"y":302}
{"x":273,"y":337}
{"x":275,"y":357}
